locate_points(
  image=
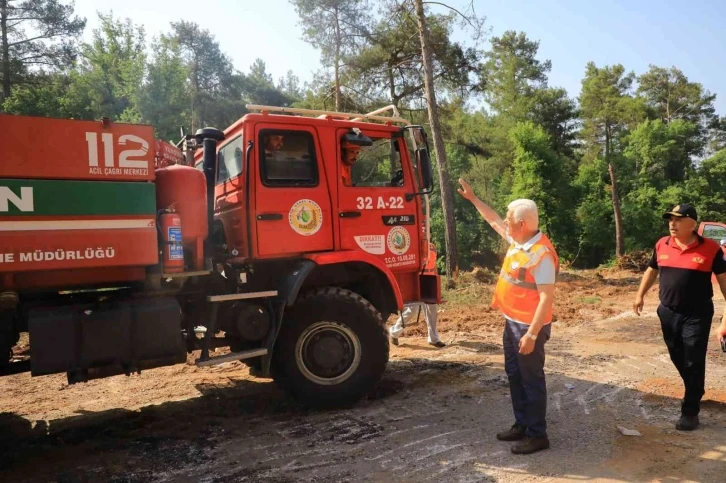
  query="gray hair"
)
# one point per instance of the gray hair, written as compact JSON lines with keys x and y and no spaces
{"x":525,"y":210}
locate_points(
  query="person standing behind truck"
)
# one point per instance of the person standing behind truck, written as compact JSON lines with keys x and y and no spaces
{"x":685,"y":261}
{"x":429,"y":310}
{"x":524,"y":295}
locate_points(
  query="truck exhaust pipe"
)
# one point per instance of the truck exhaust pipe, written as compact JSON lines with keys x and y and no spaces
{"x":209,"y":137}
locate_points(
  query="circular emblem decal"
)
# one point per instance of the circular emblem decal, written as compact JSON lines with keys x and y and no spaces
{"x":399,"y":240}
{"x":305,"y":217}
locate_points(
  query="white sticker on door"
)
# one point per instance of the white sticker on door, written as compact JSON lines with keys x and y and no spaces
{"x":399,"y":240}
{"x":375,"y":244}
{"x":305,"y":217}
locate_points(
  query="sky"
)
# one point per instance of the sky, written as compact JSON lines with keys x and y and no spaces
{"x":635,"y":33}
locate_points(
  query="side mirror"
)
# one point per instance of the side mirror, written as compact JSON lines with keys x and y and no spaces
{"x":427,"y":174}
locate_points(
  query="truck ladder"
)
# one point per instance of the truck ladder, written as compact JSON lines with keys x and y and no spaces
{"x":351,"y":116}
{"x":204,"y":360}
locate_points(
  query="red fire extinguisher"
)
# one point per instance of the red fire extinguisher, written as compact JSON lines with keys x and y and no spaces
{"x":171,"y":229}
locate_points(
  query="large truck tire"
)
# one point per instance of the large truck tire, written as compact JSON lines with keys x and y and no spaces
{"x":332,"y":349}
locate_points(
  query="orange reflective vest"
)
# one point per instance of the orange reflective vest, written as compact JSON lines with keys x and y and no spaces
{"x":431,"y":261}
{"x":346,"y":175}
{"x":516,"y":294}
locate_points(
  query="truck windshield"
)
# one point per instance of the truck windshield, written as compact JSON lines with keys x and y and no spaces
{"x":714,"y":232}
{"x":378,"y":165}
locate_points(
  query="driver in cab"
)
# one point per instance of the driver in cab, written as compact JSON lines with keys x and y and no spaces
{"x":350,"y":145}
{"x":273,"y":146}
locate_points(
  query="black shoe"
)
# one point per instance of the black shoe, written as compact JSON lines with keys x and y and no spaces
{"x":515,"y":433}
{"x":394,"y":340}
{"x":437,"y":344}
{"x":687,"y":423}
{"x":531,"y":445}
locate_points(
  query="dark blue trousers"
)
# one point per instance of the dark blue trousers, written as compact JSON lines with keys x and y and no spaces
{"x":527,"y":378}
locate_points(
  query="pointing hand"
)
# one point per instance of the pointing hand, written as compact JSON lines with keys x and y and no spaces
{"x":465,"y":190}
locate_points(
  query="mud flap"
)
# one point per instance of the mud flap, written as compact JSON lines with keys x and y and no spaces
{"x":289,"y":287}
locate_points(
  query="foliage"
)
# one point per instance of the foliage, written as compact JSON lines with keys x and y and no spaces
{"x":541,"y":175}
{"x":655,"y":135}
{"x":35,"y":33}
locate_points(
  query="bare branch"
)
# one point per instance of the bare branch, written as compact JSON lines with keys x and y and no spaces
{"x":40,"y":37}
{"x":468,"y":19}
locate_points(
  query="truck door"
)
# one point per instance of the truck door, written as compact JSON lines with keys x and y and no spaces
{"x":375,"y":216}
{"x":229,"y":194}
{"x":292,"y":213}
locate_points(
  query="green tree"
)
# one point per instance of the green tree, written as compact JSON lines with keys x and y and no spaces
{"x":705,"y":189}
{"x":594,"y":217}
{"x":558,"y":115}
{"x":445,"y":185}
{"x":46,"y":97}
{"x":35,"y":33}
{"x":258,"y":87}
{"x":388,"y":66}
{"x":165,"y":100}
{"x":607,"y":108}
{"x":511,"y":74}
{"x":717,"y":135}
{"x":672,"y":96}
{"x":659,"y":153}
{"x":471,"y":235}
{"x":215,"y":86}
{"x":336,"y":27}
{"x":514,"y":82}
{"x":109,"y":76}
{"x":290,"y":86}
{"x":540,"y":174}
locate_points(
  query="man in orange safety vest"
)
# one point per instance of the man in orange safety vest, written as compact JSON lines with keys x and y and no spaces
{"x":524,"y":295}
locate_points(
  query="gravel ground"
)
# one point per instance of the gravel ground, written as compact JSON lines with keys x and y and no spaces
{"x":432,"y":418}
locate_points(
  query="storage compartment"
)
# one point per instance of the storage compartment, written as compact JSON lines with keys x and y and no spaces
{"x":430,"y":288}
{"x":115,"y":337}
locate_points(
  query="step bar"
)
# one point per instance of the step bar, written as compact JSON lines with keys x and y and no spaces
{"x":241,"y":296}
{"x":234,"y":356}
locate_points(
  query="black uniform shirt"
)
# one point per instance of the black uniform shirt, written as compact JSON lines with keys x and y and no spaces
{"x":685,"y":275}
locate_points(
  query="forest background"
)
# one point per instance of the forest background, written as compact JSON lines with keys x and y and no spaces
{"x":603,"y":163}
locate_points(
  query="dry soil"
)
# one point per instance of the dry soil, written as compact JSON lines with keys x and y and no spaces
{"x":432,"y":418}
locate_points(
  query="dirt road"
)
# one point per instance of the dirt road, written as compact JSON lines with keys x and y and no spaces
{"x":432,"y":418}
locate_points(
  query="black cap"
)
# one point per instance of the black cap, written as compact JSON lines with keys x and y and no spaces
{"x":356,"y":138}
{"x":682,"y":211}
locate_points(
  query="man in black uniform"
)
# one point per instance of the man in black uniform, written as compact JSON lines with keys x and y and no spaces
{"x":685,"y":261}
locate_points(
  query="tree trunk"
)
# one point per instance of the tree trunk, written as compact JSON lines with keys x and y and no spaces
{"x":392,"y":83}
{"x":394,"y":100}
{"x":5,"y":48}
{"x":619,"y":240}
{"x":338,"y":41}
{"x":447,"y":197}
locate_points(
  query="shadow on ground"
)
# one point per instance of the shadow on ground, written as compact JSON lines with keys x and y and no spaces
{"x":425,"y":418}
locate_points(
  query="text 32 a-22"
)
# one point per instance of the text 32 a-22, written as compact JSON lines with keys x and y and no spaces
{"x":394,"y":203}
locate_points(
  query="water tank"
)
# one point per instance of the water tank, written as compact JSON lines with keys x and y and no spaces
{"x":185,"y":188}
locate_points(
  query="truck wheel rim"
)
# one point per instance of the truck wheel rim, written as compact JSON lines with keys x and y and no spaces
{"x":327,"y":353}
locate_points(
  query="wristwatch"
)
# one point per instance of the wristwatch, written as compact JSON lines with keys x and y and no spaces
{"x":533,"y":337}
